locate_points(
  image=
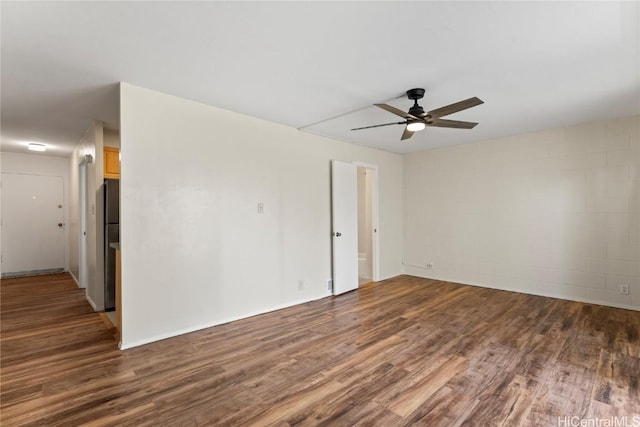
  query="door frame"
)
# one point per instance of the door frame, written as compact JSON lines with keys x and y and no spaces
{"x":375,"y":253}
{"x":83,"y":267}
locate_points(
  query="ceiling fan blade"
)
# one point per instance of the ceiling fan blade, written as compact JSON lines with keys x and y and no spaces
{"x":443,"y":123}
{"x":406,"y":134}
{"x":377,"y":126}
{"x":394,"y":110}
{"x":454,"y":108}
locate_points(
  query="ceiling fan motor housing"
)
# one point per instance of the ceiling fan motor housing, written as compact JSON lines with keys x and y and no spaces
{"x":415,"y":94}
{"x":417,"y":111}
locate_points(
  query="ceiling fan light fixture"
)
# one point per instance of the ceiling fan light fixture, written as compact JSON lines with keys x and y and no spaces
{"x":415,"y":126}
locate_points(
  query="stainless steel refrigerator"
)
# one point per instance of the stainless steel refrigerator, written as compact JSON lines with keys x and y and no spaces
{"x":111,"y":235}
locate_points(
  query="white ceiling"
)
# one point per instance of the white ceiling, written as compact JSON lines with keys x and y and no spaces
{"x":536,"y":65}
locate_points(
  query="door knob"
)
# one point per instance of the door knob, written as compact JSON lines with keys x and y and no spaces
{"x":338,"y":234}
{"x":60,"y":224}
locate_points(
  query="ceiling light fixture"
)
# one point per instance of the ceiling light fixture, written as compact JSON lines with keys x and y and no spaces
{"x":415,"y":126}
{"x":37,"y":147}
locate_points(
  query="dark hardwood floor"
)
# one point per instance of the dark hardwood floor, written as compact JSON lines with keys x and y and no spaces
{"x":405,"y":351}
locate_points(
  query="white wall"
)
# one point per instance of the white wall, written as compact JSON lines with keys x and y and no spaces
{"x":553,"y":213}
{"x":195,"y":252}
{"x":33,"y":164}
{"x":91,"y":143}
{"x":111,"y":138}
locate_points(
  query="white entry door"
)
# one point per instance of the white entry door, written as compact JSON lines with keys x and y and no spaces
{"x":344,"y":202}
{"x":32,"y":223}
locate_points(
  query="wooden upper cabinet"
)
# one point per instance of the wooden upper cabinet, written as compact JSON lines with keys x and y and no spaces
{"x":111,"y":162}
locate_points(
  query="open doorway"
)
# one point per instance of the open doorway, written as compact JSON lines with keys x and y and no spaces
{"x":346,"y":225}
{"x":367,"y":228}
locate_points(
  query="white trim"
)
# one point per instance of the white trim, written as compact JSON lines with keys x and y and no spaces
{"x":83,"y":267}
{"x":375,"y":209}
{"x":416,"y":273}
{"x":365,"y":165}
{"x":93,"y":304}
{"x":216,"y":323}
{"x":391,"y":276}
{"x":75,"y":279}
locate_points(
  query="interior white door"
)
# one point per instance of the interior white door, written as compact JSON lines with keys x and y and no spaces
{"x":32,"y":223}
{"x":344,"y":203}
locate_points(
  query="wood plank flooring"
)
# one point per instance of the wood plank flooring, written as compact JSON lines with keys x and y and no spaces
{"x":406,"y":351}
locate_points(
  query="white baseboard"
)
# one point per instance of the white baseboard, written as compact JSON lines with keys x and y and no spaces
{"x":386,"y":277}
{"x":75,"y":278}
{"x":125,"y":346}
{"x":27,"y":273}
{"x":416,"y":272}
{"x":93,"y":304}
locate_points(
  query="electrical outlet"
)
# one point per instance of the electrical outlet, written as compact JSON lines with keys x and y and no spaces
{"x":330,"y":285}
{"x":624,"y":289}
{"x":260,"y":207}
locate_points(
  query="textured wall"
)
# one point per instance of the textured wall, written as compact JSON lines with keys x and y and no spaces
{"x":552,"y":213}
